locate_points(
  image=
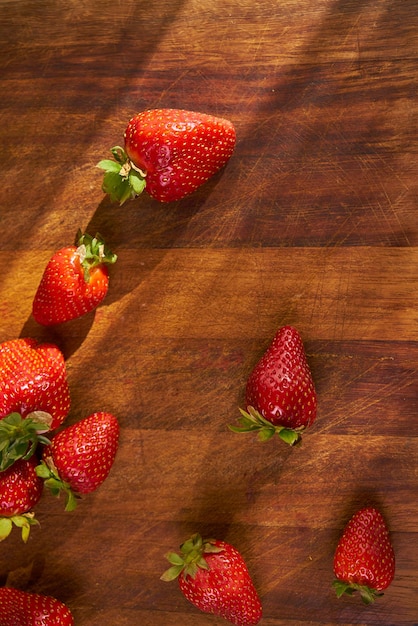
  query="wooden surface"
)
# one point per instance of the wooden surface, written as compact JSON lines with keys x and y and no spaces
{"x":313,"y":223}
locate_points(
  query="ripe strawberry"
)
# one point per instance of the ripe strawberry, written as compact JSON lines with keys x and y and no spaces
{"x":34,"y":396}
{"x":213,"y":576}
{"x":20,"y":490}
{"x":364,"y":560}
{"x":80,"y":456}
{"x":168,"y":152}
{"x":280,"y":392}
{"x":75,"y":281}
{"x":21,"y":608}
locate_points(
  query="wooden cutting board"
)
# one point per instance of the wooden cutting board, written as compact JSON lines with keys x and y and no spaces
{"x":312,"y":223}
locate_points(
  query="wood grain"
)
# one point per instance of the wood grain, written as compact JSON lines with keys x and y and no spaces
{"x":312,"y":223}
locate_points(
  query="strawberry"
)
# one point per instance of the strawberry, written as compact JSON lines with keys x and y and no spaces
{"x":80,"y":456}
{"x":21,"y":608}
{"x":169,"y":153}
{"x":280,"y":392}
{"x":213,"y":576}
{"x":20,"y":490}
{"x":75,"y":281}
{"x":364,"y":560}
{"x":34,"y":396}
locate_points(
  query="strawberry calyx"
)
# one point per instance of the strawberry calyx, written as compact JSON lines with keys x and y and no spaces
{"x":52,"y":480}
{"x":19,"y":436}
{"x":23,"y":521}
{"x":191,"y":558}
{"x":92,"y":251}
{"x":367,"y":594}
{"x":122,"y":178}
{"x":252,"y":421}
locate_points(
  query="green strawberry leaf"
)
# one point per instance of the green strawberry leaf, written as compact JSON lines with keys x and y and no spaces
{"x":367,"y":594}
{"x":119,"y":154}
{"x":71,"y":502}
{"x":109,"y":166}
{"x":122,"y":180}
{"x":252,"y":421}
{"x":20,"y":436}
{"x":24,"y":522}
{"x":42,"y":470}
{"x":174,"y":558}
{"x":210,"y":547}
{"x":171,"y":573}
{"x":191,"y":558}
{"x":342,"y":587}
{"x":93,"y":251}
{"x":25,"y":532}
{"x":290,"y":436}
{"x":118,"y":188}
{"x":5,"y":527}
{"x":137,"y":182}
{"x":265,"y":434}
{"x":194,"y":543}
{"x":55,"y":484}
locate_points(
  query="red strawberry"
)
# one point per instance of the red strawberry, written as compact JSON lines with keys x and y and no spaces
{"x":213,"y":576}
{"x":34,"y":396}
{"x":169,"y":152}
{"x":80,"y":456}
{"x":20,"y":490}
{"x":21,"y":608}
{"x":364,"y":560}
{"x":280,"y":393}
{"x":75,"y":281}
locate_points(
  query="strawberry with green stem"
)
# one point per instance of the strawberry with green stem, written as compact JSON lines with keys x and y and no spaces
{"x":280,"y":393}
{"x":213,"y":576}
{"x":34,"y":396}
{"x":22,"y":608}
{"x":75,"y":281}
{"x":79,"y":457}
{"x":169,"y":153}
{"x":364,"y":560}
{"x":20,"y":490}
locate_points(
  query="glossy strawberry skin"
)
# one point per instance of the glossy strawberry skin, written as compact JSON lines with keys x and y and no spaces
{"x":224,"y":587}
{"x":63,"y":293}
{"x":21,"y":608}
{"x":178,"y":150}
{"x":364,"y":555}
{"x":33,"y":377}
{"x":280,"y":386}
{"x":84,"y":452}
{"x":20,"y":488}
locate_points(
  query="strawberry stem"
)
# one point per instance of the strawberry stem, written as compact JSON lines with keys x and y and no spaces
{"x":20,"y":436}
{"x":92,"y":251}
{"x":252,"y":421}
{"x":55,"y":484}
{"x":122,"y":179}
{"x":190,"y":559}
{"x":367,"y":594}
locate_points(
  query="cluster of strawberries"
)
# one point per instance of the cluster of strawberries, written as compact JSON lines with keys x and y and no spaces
{"x":281,"y":399}
{"x":37,"y":449}
{"x":35,"y":402}
{"x":168,"y":153}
